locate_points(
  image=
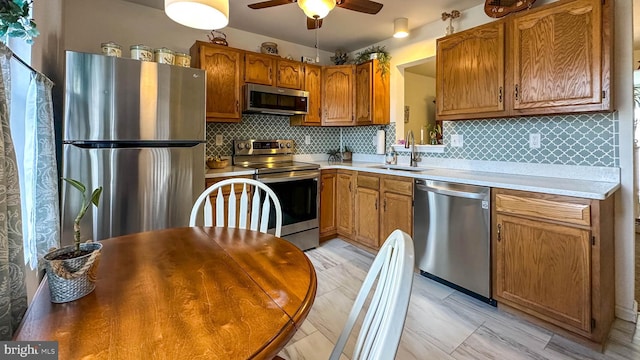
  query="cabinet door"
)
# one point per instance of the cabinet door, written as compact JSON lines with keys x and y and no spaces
{"x":259,"y":68}
{"x":470,"y":71}
{"x":338,"y":95}
{"x":328,"y":203}
{"x":397,"y":213}
{"x":557,"y":57}
{"x":544,"y":269}
{"x":223,"y":67}
{"x":313,"y":84}
{"x":344,"y":204}
{"x":364,"y":93}
{"x":367,"y":217}
{"x":289,"y":74}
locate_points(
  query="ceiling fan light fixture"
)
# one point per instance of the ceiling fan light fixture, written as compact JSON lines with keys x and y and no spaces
{"x":400,"y":28}
{"x":198,"y":14}
{"x":316,"y":8}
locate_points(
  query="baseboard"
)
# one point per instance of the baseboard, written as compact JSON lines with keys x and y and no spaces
{"x":626,"y":314}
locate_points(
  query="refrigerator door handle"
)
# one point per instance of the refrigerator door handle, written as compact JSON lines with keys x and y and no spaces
{"x":87,"y":144}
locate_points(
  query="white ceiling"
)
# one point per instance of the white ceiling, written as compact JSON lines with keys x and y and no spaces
{"x":342,"y":28}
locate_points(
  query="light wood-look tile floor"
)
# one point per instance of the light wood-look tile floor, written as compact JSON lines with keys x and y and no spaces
{"x":442,"y":323}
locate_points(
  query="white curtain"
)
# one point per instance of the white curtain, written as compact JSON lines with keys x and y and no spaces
{"x":42,"y":217}
{"x":13,"y":293}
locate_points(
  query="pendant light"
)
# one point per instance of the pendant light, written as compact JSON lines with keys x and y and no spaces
{"x":316,"y":8}
{"x":198,"y":14}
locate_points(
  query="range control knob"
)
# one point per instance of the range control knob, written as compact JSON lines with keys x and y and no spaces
{"x":288,"y":145}
{"x":247,"y":146}
{"x":240,"y":146}
{"x":281,"y":145}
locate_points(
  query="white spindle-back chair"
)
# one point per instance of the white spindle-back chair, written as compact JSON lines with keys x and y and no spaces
{"x":382,"y":327}
{"x":260,"y":206}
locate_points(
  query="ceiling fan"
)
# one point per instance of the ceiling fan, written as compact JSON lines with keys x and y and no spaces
{"x":318,"y":9}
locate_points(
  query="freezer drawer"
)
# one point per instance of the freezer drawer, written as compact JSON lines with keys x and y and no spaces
{"x":143,"y":188}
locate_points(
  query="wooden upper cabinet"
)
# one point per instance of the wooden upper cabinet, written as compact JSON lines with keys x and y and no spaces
{"x":372,"y":94}
{"x":470,"y":72}
{"x":223,"y":66}
{"x":289,"y":74}
{"x":338,"y":95}
{"x":258,"y":68}
{"x":312,"y":84}
{"x":557,"y":58}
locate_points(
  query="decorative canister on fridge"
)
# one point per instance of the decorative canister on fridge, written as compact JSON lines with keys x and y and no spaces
{"x":111,"y":49}
{"x":182,"y":59}
{"x":164,"y":56}
{"x":141,"y":52}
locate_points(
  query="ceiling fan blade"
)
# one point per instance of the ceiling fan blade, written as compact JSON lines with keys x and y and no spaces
{"x":270,"y":3}
{"x":363,"y":6}
{"x":311,"y":23}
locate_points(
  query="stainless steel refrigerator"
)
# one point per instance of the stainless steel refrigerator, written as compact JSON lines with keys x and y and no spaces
{"x":138,"y":130}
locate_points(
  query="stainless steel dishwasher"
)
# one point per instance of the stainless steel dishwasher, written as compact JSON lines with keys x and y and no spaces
{"x":451,"y":235}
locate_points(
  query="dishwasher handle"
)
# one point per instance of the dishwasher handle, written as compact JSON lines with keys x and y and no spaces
{"x":446,"y":189}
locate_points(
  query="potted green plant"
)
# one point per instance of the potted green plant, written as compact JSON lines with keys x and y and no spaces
{"x":375,"y":52}
{"x":71,"y":270}
{"x":15,"y":20}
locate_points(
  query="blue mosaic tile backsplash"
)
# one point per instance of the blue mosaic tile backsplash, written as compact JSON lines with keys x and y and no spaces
{"x":583,"y":139}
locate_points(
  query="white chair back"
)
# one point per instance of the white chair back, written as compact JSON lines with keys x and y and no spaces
{"x":384,"y":321}
{"x":260,"y":206}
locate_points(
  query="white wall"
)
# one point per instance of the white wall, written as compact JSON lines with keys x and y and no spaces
{"x":419,"y":91}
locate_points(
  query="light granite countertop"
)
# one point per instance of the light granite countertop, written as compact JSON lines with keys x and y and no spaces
{"x":597,"y":190}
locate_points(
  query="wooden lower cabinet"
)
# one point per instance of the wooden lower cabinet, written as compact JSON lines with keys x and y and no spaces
{"x":226,"y":191}
{"x":397,"y":205}
{"x":367,"y":225}
{"x":328,"y":203}
{"x":552,"y":258}
{"x":344,"y":203}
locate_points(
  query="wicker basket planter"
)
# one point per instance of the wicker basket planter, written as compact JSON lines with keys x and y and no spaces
{"x":71,"y":279}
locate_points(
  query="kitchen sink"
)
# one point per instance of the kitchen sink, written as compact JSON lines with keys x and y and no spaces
{"x":400,"y":167}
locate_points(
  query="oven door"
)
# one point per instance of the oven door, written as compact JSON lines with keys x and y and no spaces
{"x":298,"y":192}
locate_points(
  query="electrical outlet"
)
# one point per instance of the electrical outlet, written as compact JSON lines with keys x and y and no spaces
{"x":534,"y":141}
{"x":307,"y":139}
{"x":457,"y":140}
{"x":219,"y":139}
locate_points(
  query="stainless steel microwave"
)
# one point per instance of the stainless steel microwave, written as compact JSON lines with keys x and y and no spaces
{"x":275,"y":100}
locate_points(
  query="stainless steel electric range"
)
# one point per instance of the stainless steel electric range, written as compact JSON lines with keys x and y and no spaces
{"x":295,"y":183}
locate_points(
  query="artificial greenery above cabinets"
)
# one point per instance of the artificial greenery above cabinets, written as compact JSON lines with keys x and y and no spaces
{"x":383,"y":56}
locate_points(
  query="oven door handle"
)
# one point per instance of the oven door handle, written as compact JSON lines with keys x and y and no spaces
{"x":288,"y":176}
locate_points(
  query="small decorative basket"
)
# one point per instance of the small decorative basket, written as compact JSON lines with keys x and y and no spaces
{"x":71,"y":279}
{"x":217,"y":164}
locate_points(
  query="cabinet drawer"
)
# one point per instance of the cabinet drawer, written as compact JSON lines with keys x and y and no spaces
{"x":367,"y":181}
{"x":397,"y":185}
{"x":572,"y":213}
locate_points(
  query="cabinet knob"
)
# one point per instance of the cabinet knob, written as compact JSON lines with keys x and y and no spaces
{"x":499,"y":232}
{"x":500,"y":94}
{"x":517,"y":94}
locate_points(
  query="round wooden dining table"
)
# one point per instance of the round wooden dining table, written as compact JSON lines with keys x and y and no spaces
{"x":182,"y":293}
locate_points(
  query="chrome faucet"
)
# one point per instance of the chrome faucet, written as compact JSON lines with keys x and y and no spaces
{"x":411,"y":141}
